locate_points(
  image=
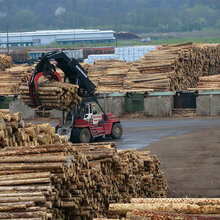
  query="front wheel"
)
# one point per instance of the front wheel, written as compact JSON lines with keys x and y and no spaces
{"x":84,"y":136}
{"x":117,"y":131}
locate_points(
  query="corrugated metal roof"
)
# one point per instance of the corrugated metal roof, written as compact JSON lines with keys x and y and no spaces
{"x":56,"y":32}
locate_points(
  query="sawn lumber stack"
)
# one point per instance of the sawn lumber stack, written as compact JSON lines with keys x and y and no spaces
{"x":72,"y":181}
{"x":53,"y":95}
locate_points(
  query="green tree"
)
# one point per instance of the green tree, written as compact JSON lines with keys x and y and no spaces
{"x":25,"y":19}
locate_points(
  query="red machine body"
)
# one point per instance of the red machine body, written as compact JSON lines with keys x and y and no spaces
{"x":82,"y":124}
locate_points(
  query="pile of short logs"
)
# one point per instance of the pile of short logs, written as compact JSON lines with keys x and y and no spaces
{"x":73,"y":181}
{"x":14,"y":132}
{"x":60,"y":182}
{"x":10,"y":78}
{"x":172,"y":67}
{"x":167,"y":208}
{"x":5,"y":62}
{"x":108,"y":75}
{"x":209,"y":83}
{"x":53,"y":95}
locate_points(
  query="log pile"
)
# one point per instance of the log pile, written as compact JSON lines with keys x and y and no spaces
{"x":173,"y":67}
{"x":11,"y":77}
{"x":209,"y":83}
{"x":64,"y":181}
{"x":14,"y":132}
{"x":108,"y":75}
{"x":168,"y":208}
{"x":71,"y":181}
{"x":53,"y":95}
{"x":5,"y":62}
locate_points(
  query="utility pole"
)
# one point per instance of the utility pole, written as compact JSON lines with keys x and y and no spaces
{"x":7,"y":40}
{"x":116,"y":33}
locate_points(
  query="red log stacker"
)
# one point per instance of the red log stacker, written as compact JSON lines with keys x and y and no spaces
{"x":82,"y":124}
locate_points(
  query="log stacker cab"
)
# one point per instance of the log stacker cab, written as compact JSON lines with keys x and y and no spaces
{"x":82,"y":124}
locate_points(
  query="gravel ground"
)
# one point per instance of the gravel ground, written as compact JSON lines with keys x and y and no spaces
{"x":190,"y":162}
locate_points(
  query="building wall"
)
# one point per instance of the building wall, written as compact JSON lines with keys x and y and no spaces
{"x":63,"y":37}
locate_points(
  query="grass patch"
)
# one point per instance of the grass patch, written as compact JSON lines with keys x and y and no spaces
{"x":136,"y":42}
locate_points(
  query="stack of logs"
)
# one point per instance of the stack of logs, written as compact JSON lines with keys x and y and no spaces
{"x":10,"y":79}
{"x":74,"y":181}
{"x":209,"y":83}
{"x":53,"y":95}
{"x":14,"y":132}
{"x":5,"y":62}
{"x":173,"y":67}
{"x":108,"y":75}
{"x":167,"y":208}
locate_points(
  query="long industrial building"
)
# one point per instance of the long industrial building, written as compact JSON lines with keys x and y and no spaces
{"x":72,"y":36}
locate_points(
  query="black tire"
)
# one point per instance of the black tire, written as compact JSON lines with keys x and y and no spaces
{"x":75,"y":135}
{"x":117,"y":131}
{"x":84,"y":136}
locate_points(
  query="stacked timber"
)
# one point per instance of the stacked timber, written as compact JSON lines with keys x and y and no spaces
{"x":53,"y":95}
{"x":168,"y":208}
{"x":33,"y":181}
{"x":5,"y":62}
{"x":209,"y":83}
{"x":69,"y":181}
{"x":64,"y":181}
{"x":14,"y":132}
{"x":10,"y":79}
{"x":174,"y":67}
{"x":108,"y":75}
{"x":154,"y":71}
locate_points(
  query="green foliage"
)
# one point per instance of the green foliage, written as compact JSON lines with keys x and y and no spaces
{"x":139,"y":16}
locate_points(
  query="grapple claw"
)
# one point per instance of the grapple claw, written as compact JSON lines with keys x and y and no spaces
{"x":33,"y":85}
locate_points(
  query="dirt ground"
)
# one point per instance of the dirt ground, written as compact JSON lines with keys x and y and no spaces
{"x":191,"y":163}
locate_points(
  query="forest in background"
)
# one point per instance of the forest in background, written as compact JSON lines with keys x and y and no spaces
{"x":139,"y":16}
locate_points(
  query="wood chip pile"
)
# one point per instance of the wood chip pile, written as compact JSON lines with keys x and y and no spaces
{"x":167,"y":208}
{"x":14,"y":132}
{"x":74,"y":181}
{"x":173,"y":67}
{"x":53,"y":95}
{"x":209,"y":83}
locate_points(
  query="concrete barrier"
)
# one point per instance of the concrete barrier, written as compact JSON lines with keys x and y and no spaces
{"x":19,"y":106}
{"x":208,"y":104}
{"x":159,"y":104}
